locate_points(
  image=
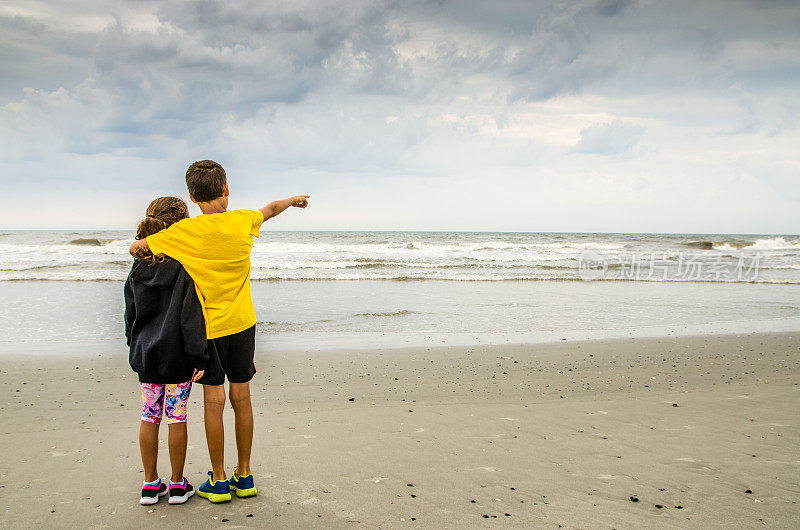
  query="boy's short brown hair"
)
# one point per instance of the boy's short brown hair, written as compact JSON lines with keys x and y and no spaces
{"x":205,"y":180}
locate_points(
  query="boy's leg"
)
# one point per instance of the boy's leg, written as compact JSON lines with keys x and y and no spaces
{"x":148,"y":446}
{"x":213,"y":405}
{"x":243,"y":411}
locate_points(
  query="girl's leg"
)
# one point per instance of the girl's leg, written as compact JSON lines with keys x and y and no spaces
{"x":152,"y":407}
{"x":148,"y":446}
{"x":178,"y":439}
{"x":175,"y":403}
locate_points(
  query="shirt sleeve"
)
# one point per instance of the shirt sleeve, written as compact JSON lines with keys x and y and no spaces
{"x":256,"y":218}
{"x":170,"y":241}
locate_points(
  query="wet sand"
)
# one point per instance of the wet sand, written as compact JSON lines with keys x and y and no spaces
{"x":670,"y":432}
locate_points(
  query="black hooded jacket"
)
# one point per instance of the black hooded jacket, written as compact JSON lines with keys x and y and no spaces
{"x":163,"y":323}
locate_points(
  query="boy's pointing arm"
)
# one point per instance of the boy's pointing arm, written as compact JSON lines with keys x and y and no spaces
{"x":276,"y":207}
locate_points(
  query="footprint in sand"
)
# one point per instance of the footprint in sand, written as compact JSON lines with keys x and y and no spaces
{"x":693,"y":463}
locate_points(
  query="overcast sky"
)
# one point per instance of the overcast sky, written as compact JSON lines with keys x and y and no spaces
{"x":609,"y":115}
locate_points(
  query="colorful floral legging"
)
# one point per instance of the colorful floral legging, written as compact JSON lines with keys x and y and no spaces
{"x":170,"y":399}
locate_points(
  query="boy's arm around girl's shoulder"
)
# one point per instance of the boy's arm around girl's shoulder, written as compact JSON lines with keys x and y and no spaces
{"x":141,"y":248}
{"x":193,"y":326}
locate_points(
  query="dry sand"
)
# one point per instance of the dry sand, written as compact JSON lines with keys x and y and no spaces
{"x":549,"y":435}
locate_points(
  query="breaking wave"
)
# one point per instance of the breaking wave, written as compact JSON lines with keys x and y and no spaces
{"x":91,"y":242}
{"x":773,"y":243}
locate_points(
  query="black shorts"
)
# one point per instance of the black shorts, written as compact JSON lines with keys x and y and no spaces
{"x":232,"y":356}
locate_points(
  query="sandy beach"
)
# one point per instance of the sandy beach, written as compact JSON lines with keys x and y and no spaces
{"x":686,"y":432}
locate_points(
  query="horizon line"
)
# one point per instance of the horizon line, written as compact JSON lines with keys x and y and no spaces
{"x":432,"y":231}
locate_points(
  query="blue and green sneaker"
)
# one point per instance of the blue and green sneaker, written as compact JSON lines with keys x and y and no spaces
{"x":243,"y":486}
{"x":218,"y":491}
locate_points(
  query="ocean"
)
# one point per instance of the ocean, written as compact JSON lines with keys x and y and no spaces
{"x":340,"y":289}
{"x":451,"y":256}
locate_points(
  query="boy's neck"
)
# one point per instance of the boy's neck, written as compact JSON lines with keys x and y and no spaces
{"x":218,"y":205}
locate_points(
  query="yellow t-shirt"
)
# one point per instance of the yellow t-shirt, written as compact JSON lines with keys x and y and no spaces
{"x":215,"y":251}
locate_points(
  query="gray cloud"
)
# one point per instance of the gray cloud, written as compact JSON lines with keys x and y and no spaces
{"x":612,"y":8}
{"x":225,"y":57}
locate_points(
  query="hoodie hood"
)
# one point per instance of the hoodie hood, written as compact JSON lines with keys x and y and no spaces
{"x":160,"y":274}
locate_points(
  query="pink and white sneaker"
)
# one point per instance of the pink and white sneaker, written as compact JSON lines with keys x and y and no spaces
{"x":179,"y":492}
{"x":152,"y":491}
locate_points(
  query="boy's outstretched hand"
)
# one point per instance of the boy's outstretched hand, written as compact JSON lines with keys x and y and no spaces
{"x":300,"y":201}
{"x":276,"y":207}
{"x":197,"y":375}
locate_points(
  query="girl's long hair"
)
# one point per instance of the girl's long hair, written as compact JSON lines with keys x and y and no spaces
{"x":161,"y":213}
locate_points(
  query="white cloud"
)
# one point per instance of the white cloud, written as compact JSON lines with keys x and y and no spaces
{"x":614,"y":138}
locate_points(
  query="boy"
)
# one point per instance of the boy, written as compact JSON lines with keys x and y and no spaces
{"x":214,"y":248}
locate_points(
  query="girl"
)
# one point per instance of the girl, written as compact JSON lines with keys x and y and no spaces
{"x":167,"y":337}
